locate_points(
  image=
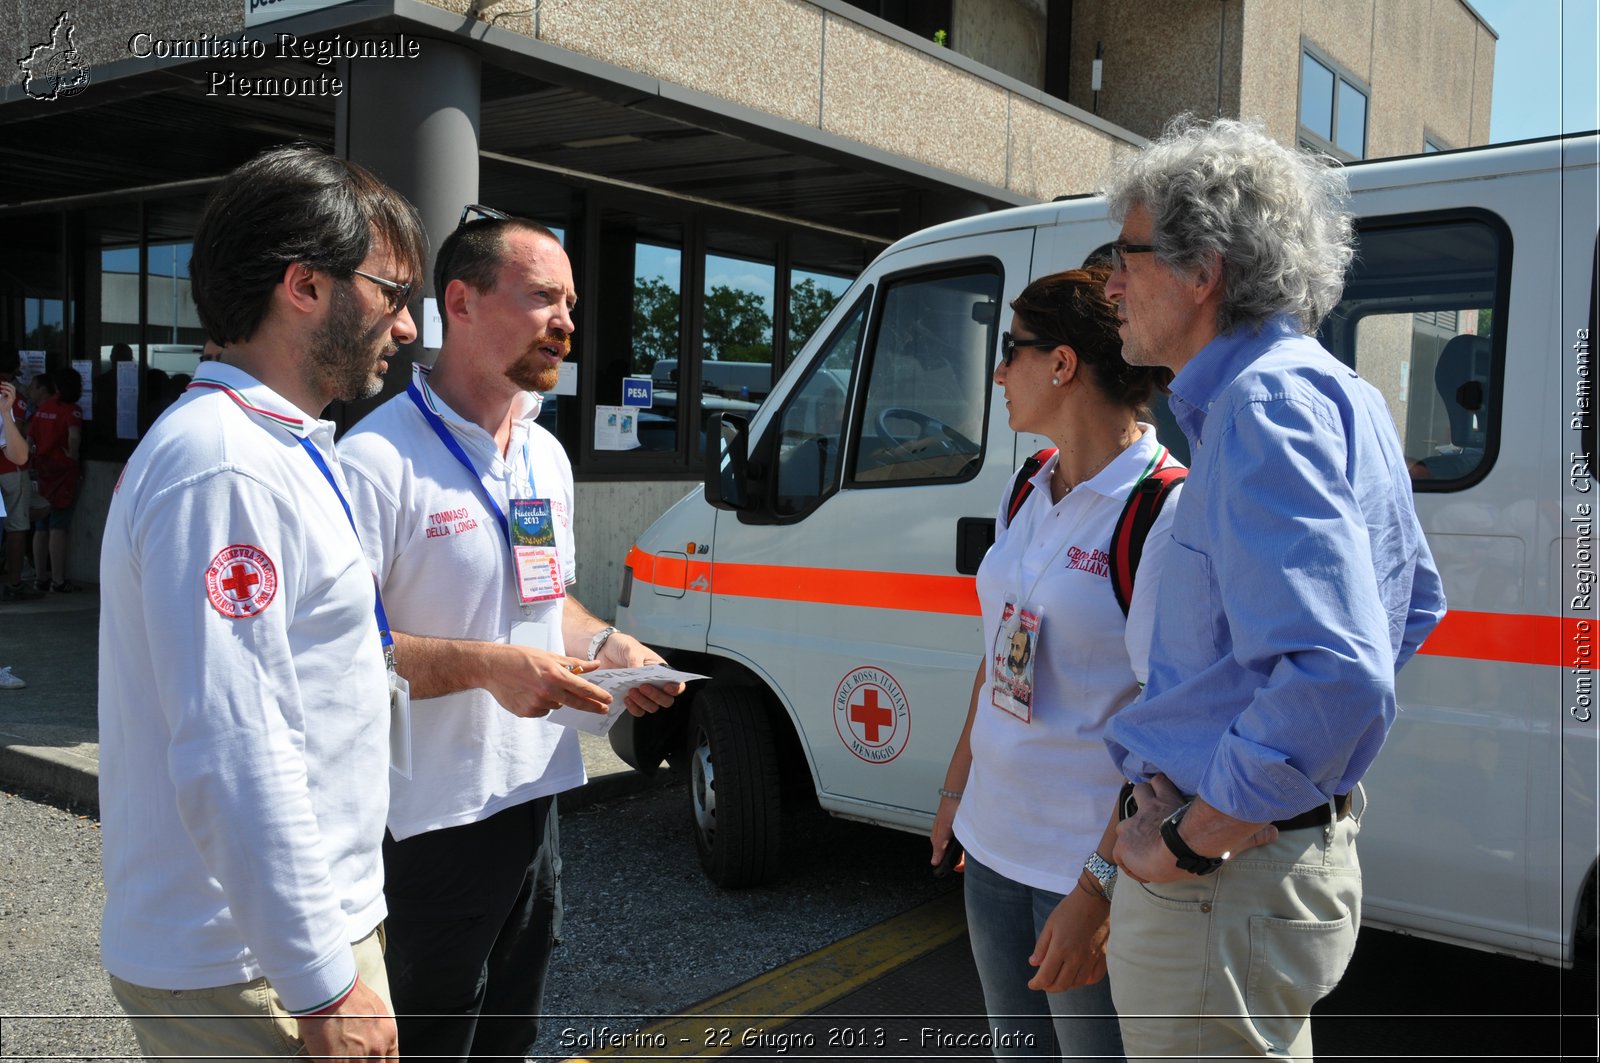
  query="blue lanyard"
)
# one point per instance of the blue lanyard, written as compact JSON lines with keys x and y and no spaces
{"x":453,"y":445}
{"x":377,"y":595}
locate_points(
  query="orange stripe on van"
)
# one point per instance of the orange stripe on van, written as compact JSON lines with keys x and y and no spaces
{"x":1514,"y":638}
{"x":906,"y":591}
{"x":1517,"y":638}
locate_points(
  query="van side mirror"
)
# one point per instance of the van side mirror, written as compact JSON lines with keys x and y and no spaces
{"x":728,"y":464}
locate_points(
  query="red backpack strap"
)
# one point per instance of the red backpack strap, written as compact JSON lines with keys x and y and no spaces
{"x":1022,"y":486}
{"x":1133,"y":527}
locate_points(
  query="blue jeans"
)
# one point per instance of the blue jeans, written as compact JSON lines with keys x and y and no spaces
{"x":1004,"y":919}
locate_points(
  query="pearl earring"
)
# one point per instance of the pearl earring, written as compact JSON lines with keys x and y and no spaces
{"x":1055,"y":381}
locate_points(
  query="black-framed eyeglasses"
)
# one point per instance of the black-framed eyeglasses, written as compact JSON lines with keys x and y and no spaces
{"x":1121,"y":249}
{"x":1009,"y":345}
{"x":398,"y":295}
{"x":478,"y":212}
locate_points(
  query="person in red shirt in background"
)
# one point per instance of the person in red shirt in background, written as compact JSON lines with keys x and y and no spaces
{"x":16,"y":484}
{"x":56,"y":431}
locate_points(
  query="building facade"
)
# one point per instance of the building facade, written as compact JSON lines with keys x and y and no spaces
{"x":719,"y":170}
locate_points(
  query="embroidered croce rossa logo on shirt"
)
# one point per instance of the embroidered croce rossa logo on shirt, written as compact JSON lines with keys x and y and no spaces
{"x":1094,"y":562}
{"x":241,"y":581}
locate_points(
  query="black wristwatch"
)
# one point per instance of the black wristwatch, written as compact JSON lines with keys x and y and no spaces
{"x":1188,"y":859}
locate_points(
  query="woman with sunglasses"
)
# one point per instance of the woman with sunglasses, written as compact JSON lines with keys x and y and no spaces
{"x":1030,"y":783}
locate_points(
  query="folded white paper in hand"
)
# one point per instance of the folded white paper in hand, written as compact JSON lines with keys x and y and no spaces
{"x":617,"y":682}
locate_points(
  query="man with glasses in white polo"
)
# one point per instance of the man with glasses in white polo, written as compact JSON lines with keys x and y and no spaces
{"x":465,"y":506}
{"x":244,"y":698}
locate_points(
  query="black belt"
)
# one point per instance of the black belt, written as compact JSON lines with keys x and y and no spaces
{"x":1317,"y":817}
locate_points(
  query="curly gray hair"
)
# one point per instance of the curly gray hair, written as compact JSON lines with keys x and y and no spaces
{"x":1274,"y":215}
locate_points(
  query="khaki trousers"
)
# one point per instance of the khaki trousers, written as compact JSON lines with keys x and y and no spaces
{"x":226,"y":1022}
{"x":1229,"y":964}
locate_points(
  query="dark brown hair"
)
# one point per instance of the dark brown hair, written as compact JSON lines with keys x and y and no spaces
{"x":68,"y":383}
{"x":287,"y":205}
{"x":1071,"y":308}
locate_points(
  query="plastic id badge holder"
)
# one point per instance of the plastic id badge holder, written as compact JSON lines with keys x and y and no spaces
{"x":399,"y":724}
{"x":533,"y":550}
{"x":1015,"y":645}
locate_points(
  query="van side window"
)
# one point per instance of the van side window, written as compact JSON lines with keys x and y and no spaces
{"x":1422,"y":321}
{"x":927,"y":384}
{"x":811,"y":423}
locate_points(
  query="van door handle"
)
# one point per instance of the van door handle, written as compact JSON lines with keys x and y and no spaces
{"x":974,"y":536}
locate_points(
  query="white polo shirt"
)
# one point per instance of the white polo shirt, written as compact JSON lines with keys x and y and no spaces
{"x":243,"y":705}
{"x":446,"y":572}
{"x":1039,"y":793}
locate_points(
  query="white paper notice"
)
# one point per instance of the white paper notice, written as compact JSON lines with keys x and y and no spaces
{"x":616,"y":428}
{"x":617,"y":682}
{"x":566,"y":379}
{"x":32,"y":365}
{"x":432,"y":324}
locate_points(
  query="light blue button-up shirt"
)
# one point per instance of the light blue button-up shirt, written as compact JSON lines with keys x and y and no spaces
{"x":1299,"y":584}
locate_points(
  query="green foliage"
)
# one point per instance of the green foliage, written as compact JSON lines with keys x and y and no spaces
{"x":737,"y":326}
{"x":941,"y":38}
{"x":44,"y":337}
{"x":809,"y":303}
{"x":657,"y":309}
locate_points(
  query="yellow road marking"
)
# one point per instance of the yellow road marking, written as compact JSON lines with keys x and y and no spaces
{"x":803,"y":986}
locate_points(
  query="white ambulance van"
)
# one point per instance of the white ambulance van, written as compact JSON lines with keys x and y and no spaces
{"x":824,"y":577}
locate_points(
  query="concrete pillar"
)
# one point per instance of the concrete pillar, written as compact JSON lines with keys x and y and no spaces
{"x":414,"y":123}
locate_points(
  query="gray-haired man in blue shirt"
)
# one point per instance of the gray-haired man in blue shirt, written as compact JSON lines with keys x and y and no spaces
{"x":1301,"y":584}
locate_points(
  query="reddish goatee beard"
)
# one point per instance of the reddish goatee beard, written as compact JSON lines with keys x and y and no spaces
{"x":530,"y":373}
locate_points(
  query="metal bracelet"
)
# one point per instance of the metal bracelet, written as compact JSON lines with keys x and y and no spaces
{"x":1104,"y":873}
{"x":599,"y":641}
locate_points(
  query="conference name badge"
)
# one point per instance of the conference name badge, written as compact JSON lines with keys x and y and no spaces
{"x":533,"y":546}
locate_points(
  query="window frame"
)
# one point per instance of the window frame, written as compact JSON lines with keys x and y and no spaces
{"x":856,"y":418}
{"x":772,"y":433}
{"x":76,"y":274}
{"x":1340,"y":344}
{"x":1342,"y":75}
{"x":682,"y":462}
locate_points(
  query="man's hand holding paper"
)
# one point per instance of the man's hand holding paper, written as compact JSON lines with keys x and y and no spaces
{"x":654,"y":685}
{"x":623,"y":652}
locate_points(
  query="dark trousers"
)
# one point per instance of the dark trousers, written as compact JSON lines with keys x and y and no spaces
{"x":473,"y":914}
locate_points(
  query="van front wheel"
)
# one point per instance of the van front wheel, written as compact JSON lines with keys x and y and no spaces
{"x":733,"y":786}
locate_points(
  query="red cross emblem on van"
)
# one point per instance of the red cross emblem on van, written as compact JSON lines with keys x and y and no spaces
{"x":872,"y":715}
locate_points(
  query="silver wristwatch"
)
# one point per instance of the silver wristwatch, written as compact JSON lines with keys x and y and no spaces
{"x":599,"y":640}
{"x":1104,"y":872}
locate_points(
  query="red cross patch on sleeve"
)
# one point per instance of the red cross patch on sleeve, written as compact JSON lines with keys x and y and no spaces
{"x":241,"y":581}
